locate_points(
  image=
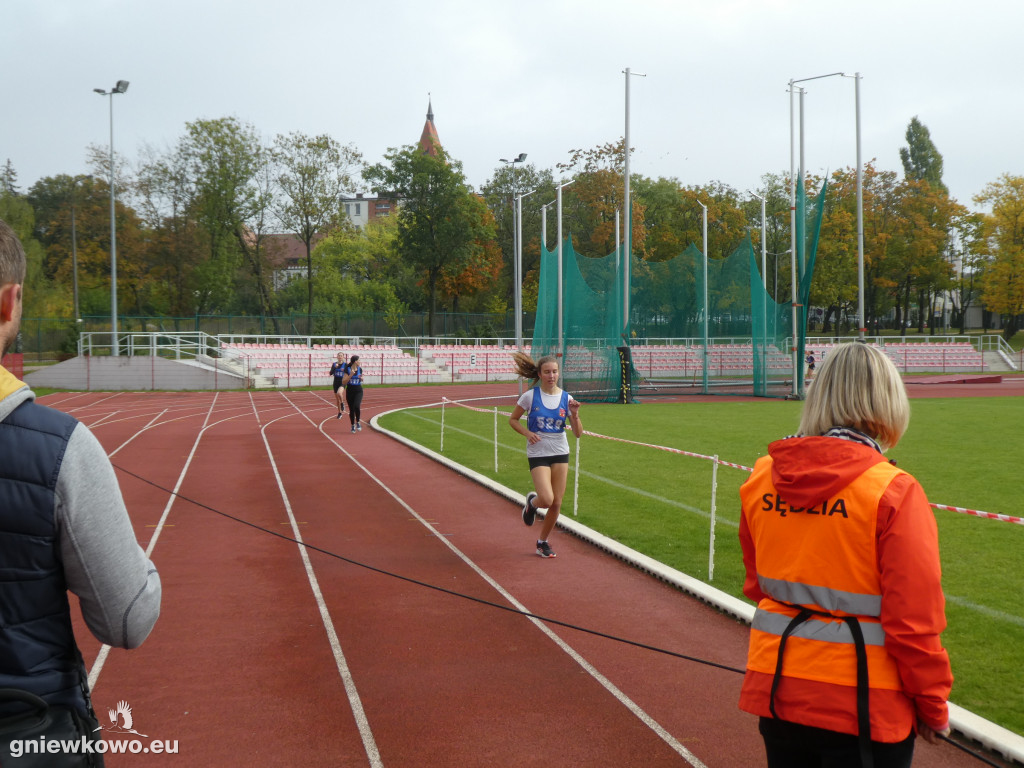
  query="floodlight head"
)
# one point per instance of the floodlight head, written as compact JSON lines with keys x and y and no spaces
{"x":504,"y":160}
{"x":100,"y":91}
{"x":121,"y":87}
{"x":521,"y":158}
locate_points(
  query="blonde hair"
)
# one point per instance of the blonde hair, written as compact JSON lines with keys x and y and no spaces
{"x":527,"y":368}
{"x":857,"y":386}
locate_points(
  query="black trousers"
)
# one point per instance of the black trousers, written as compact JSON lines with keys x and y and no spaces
{"x":354,"y":398}
{"x":789,"y":745}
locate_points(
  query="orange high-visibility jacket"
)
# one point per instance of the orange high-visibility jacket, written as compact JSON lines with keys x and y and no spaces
{"x":830,"y":525}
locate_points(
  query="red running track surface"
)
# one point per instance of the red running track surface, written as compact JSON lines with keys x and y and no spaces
{"x":246,"y":667}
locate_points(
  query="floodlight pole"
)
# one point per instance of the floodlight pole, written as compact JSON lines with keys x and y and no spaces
{"x":519,"y":269}
{"x":121,"y":87}
{"x":561,"y":331}
{"x":517,"y":254}
{"x":764,"y":276}
{"x":544,"y":224}
{"x":74,"y":244}
{"x":798,"y":379}
{"x":861,"y":319}
{"x":705,"y":345}
{"x":792,"y":240}
{"x":618,"y":243}
{"x":628,"y":216}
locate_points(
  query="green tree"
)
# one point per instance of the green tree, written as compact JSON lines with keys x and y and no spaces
{"x":970,"y":252}
{"x":165,"y":191}
{"x":313,"y":172}
{"x":9,"y":178}
{"x":922,"y":160}
{"x":1003,"y":280}
{"x":499,"y":192}
{"x":360,"y":269}
{"x":223,"y":159}
{"x":590,"y":204}
{"x":441,"y":229}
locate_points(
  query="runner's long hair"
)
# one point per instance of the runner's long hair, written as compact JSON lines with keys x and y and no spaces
{"x":527,"y":368}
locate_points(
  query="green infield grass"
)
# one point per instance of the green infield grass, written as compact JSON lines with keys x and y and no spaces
{"x":965,"y":452}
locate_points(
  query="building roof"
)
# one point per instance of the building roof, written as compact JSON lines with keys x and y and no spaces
{"x":288,"y":250}
{"x":429,"y":140}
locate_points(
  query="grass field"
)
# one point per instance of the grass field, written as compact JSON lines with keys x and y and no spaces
{"x":965,"y":453}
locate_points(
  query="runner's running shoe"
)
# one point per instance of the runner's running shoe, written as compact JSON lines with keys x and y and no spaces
{"x":529,"y":511}
{"x":359,"y":427}
{"x":544,"y":549}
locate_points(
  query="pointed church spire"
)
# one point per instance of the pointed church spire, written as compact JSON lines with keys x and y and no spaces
{"x":429,"y":140}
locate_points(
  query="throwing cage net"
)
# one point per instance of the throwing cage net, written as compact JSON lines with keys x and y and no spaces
{"x":680,"y":337}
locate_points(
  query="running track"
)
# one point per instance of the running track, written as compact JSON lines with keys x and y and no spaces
{"x":270,"y":654}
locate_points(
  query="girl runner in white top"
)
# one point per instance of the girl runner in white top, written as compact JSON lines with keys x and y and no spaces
{"x":547,"y":449}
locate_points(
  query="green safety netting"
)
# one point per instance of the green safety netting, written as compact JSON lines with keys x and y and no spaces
{"x":737,"y":340}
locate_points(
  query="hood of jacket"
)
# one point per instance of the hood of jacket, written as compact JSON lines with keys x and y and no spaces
{"x":808,"y":470}
{"x":13,"y":392}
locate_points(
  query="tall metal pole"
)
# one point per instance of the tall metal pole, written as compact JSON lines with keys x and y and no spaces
{"x":798,"y":379}
{"x":627,"y":210}
{"x":517,"y":254}
{"x":764,"y":282}
{"x":558,"y":251}
{"x":544,"y":225}
{"x":115,"y":347}
{"x":561,"y":309}
{"x":74,"y":258}
{"x":706,"y":340}
{"x":862,"y":320}
{"x":519,"y":269}
{"x":628,"y":214}
{"x":120,"y":87}
{"x":792,"y":242}
{"x":618,"y":243}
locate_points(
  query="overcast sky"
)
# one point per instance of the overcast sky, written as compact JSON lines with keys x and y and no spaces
{"x":527,"y":76}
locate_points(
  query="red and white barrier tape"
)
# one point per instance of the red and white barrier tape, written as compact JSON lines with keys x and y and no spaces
{"x":947,"y":508}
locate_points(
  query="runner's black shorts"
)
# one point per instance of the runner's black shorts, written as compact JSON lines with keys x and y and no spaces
{"x":547,"y":461}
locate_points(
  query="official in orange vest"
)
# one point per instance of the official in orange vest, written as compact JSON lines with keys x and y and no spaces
{"x":842,"y":557}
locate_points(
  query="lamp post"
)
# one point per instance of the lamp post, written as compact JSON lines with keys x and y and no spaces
{"x":121,"y":87}
{"x":519,"y":269}
{"x":705,"y":345}
{"x":544,"y":224}
{"x":764,"y":282}
{"x":798,"y":379}
{"x":862,"y":320}
{"x":74,"y":243}
{"x":561,"y":330}
{"x":517,"y":252}
{"x":628,"y":213}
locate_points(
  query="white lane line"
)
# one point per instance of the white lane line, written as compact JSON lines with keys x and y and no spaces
{"x":365,"y":732}
{"x":992,"y":613}
{"x":101,"y":657}
{"x":608,"y":685}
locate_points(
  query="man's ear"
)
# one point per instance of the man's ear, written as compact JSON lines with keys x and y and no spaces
{"x":10,"y":298}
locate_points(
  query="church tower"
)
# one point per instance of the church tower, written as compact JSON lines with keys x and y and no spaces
{"x":429,"y":140}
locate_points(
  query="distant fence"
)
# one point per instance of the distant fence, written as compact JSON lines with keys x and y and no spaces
{"x":50,"y":338}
